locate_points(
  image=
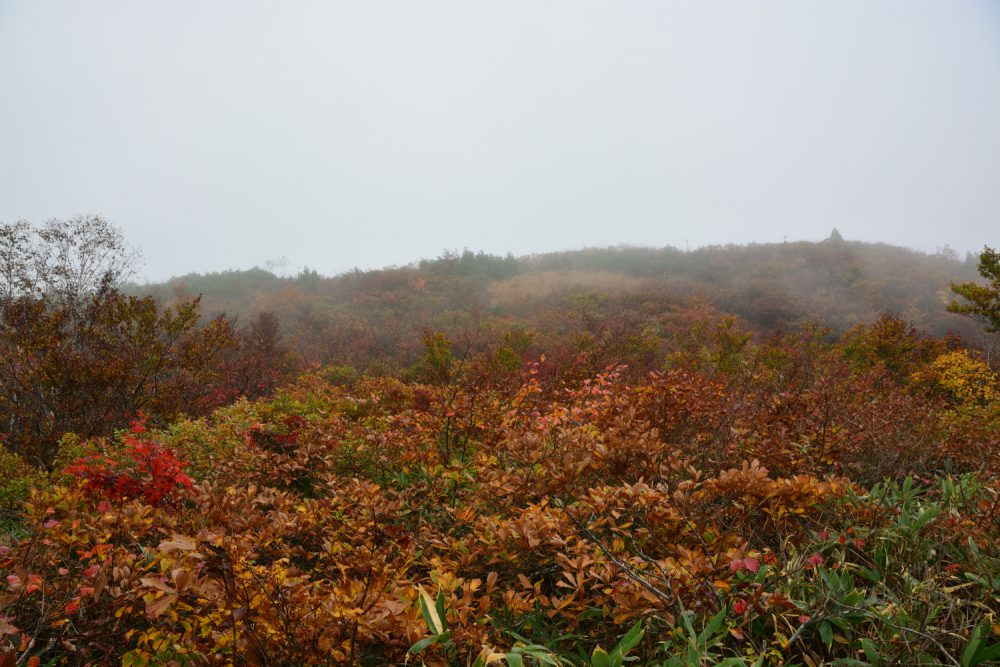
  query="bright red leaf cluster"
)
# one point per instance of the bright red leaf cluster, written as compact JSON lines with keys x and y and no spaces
{"x":146,"y":470}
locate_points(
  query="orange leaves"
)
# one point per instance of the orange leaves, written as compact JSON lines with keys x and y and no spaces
{"x":321,"y":515}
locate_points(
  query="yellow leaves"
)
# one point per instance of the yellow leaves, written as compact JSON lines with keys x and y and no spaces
{"x":489,"y":656}
{"x":967,"y":380}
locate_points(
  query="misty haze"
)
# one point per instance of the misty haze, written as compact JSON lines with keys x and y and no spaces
{"x":223,"y":135}
{"x":460,"y":333}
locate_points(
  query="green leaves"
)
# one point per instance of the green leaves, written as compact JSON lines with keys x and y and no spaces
{"x":601,"y":658}
{"x":617,"y":656}
{"x":871,"y":651}
{"x":977,"y":652}
{"x":699,"y":648}
{"x":433,"y":611}
{"x":826,"y":633}
{"x":429,"y":641}
{"x":981,"y":302}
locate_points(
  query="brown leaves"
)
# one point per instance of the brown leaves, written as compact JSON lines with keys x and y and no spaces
{"x":325,"y":513}
{"x":6,"y":628}
{"x":90,"y":364}
{"x":177,"y":543}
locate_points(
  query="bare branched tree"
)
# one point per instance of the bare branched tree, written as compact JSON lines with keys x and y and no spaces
{"x":63,"y":260}
{"x":17,"y":255}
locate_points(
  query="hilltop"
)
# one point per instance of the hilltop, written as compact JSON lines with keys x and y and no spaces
{"x":368,"y":319}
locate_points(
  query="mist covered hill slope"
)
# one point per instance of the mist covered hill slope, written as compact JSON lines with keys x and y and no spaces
{"x":370,"y":318}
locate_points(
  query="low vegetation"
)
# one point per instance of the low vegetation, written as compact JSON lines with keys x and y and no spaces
{"x":722,"y":498}
{"x":788,"y":502}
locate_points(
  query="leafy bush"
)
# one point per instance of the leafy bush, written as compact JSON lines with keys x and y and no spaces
{"x":143,"y":468}
{"x":756,"y":503}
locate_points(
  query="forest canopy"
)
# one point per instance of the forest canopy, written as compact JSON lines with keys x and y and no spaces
{"x":370,"y":319}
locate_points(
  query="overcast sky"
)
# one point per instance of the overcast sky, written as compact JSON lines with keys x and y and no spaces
{"x":338,"y":134}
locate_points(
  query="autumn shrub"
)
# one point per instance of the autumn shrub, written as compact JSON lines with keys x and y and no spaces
{"x":882,"y":591}
{"x":340,"y":375}
{"x":893,"y":343}
{"x":142,"y":468}
{"x":966,"y":382}
{"x":17,"y":479}
{"x":205,"y":442}
{"x":89,"y":367}
{"x":780,"y":505}
{"x":70,"y":587}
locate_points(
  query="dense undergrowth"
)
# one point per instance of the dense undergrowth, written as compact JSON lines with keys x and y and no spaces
{"x":776,"y":503}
